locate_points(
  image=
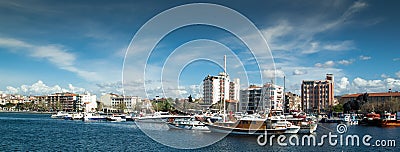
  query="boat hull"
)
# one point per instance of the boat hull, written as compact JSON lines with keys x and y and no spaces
{"x":240,"y":131}
{"x":201,"y":127}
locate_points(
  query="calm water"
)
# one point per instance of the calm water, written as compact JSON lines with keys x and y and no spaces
{"x":38,"y":132}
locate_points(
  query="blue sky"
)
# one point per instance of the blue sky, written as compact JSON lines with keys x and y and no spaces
{"x":50,"y":46}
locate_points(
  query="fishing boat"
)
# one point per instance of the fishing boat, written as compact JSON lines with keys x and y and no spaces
{"x":186,"y":122}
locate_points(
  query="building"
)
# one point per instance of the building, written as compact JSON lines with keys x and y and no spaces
{"x":292,"y":102}
{"x":372,"y":97}
{"x":118,"y":103}
{"x":258,"y":99}
{"x":317,"y":95}
{"x":64,"y":102}
{"x":89,"y":102}
{"x":216,"y":88}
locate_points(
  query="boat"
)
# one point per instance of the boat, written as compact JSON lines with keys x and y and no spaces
{"x":74,"y":116}
{"x":116,"y":118}
{"x":371,"y":119}
{"x":186,"y":122}
{"x":157,"y":117}
{"x":59,"y":115}
{"x":281,"y":122}
{"x":248,"y":126}
{"x":93,"y":117}
{"x":307,"y":125}
{"x":390,"y":120}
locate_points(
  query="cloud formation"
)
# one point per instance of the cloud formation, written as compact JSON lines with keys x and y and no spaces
{"x":40,"y":88}
{"x":55,"y":54}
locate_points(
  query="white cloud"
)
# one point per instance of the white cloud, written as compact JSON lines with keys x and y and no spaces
{"x":339,"y":46}
{"x":12,"y":90}
{"x":396,"y":59}
{"x":55,"y":54}
{"x":398,"y":74}
{"x":271,"y":74}
{"x":362,"y":57}
{"x":384,"y":76}
{"x":40,"y":88}
{"x":342,"y":86}
{"x":346,"y":62}
{"x":299,"y":72}
{"x":363,"y":85}
{"x":327,"y":64}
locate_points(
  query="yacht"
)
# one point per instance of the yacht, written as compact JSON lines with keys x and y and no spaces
{"x":59,"y":115}
{"x":94,"y":117}
{"x":186,"y":122}
{"x":157,"y":117}
{"x":116,"y":118}
{"x":248,"y":125}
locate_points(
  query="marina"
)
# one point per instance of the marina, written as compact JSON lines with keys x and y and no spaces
{"x":59,"y":135}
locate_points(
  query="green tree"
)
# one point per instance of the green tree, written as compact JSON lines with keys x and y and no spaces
{"x":337,"y":108}
{"x":9,"y":105}
{"x":121,"y":107}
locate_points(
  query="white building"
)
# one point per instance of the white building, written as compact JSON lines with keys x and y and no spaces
{"x":261,"y":99}
{"x":89,"y":101}
{"x":216,"y":88}
{"x":115,"y":101}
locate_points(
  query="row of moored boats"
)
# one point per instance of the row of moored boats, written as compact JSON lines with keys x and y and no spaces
{"x":236,"y":123}
{"x":87,"y":116}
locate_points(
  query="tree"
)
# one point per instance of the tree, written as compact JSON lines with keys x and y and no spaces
{"x":121,"y":107}
{"x":9,"y":105}
{"x":337,"y":108}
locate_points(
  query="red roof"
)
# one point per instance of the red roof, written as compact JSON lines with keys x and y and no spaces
{"x":383,"y":94}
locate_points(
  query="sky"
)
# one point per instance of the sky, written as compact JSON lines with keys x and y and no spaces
{"x":142,"y":48}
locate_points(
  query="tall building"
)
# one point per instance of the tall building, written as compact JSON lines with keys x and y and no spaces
{"x":216,"y":88}
{"x":317,"y":95}
{"x":256,"y":98}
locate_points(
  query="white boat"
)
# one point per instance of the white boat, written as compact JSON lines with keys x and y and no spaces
{"x":93,"y":117}
{"x":186,"y":122}
{"x":307,"y":125}
{"x":157,"y":117}
{"x":281,"y":121}
{"x":59,"y":115}
{"x":116,"y":118}
{"x":74,"y":116}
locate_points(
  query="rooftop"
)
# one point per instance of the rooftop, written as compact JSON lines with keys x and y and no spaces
{"x":378,"y":94}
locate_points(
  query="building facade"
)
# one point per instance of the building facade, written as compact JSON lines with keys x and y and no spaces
{"x":317,"y":95}
{"x":372,"y":97}
{"x":258,"y":99}
{"x":64,"y":102}
{"x":115,"y":103}
{"x":292,"y":102}
{"x":216,"y":88}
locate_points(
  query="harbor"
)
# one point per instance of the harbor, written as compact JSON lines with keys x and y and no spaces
{"x":54,"y":134}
